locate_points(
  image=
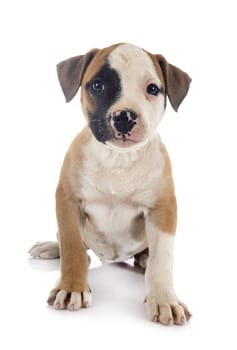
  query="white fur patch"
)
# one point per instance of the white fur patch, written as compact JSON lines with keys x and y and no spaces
{"x":133,"y":62}
{"x":76,"y":301}
{"x":115,"y":189}
{"x":162,"y":304}
{"x":159,"y":274}
{"x":137,"y":71}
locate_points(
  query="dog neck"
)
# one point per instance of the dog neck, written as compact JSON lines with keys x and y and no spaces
{"x":113,"y":157}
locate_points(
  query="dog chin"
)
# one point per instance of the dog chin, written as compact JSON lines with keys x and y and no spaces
{"x":125,"y":145}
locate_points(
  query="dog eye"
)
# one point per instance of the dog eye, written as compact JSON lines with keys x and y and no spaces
{"x":97,"y":87}
{"x":152,"y":89}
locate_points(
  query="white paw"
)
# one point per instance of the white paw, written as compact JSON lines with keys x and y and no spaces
{"x":167,"y":311}
{"x":72,"y":301}
{"x":45,"y":250}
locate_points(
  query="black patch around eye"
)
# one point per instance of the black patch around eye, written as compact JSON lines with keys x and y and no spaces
{"x":105,"y":86}
{"x":97,"y":87}
{"x":100,"y":127}
{"x":103,"y":90}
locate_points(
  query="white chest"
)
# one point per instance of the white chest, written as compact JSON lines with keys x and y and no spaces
{"x":115,"y":200}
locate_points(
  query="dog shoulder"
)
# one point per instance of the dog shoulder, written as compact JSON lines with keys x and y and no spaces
{"x":74,"y":157}
{"x":159,"y":162}
{"x":167,"y":166}
{"x":159,"y":173}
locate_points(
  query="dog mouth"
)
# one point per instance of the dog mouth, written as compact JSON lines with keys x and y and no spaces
{"x":124,"y":137}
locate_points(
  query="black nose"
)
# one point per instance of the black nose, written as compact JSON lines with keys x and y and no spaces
{"x":124,"y":121}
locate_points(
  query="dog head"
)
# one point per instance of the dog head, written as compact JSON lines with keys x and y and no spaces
{"x":123,"y":92}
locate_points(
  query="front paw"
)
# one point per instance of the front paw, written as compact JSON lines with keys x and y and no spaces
{"x":167,"y":311}
{"x":61,"y":299}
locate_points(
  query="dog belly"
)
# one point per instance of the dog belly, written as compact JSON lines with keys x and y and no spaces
{"x":114,"y":233}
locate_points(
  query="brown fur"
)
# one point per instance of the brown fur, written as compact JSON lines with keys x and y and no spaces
{"x":95,"y":65}
{"x":74,"y":261}
{"x":164,"y":215}
{"x":175,"y":81}
{"x":70,"y":73}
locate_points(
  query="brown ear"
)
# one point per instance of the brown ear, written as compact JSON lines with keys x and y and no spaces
{"x":177,"y":82}
{"x":71,"y":71}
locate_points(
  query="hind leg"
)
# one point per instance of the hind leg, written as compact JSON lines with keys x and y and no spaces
{"x":140,"y":259}
{"x":45,"y":250}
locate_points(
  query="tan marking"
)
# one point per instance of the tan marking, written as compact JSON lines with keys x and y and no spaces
{"x":157,"y":68}
{"x":97,"y":63}
{"x":164,"y":215}
{"x":73,"y":159}
{"x":175,"y":81}
{"x":74,"y":261}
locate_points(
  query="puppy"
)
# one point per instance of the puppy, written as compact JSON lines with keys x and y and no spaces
{"x":116,"y":193}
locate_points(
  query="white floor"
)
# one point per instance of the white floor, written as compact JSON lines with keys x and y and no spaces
{"x":117,"y":317}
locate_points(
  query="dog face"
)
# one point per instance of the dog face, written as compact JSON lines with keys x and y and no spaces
{"x":123,"y":92}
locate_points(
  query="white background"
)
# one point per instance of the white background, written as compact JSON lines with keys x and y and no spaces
{"x":36,"y":129}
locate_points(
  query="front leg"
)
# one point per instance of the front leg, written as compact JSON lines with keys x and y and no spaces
{"x":71,"y":291}
{"x":162,"y":303}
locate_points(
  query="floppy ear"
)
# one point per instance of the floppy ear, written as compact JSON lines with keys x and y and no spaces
{"x":71,"y":71}
{"x":177,"y":82}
